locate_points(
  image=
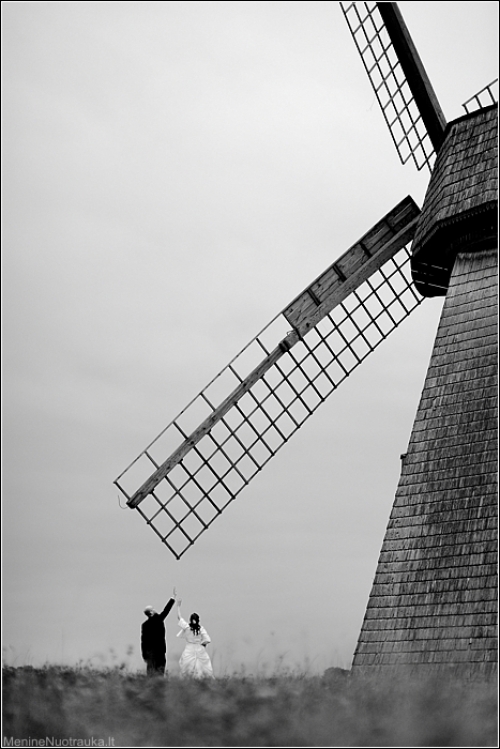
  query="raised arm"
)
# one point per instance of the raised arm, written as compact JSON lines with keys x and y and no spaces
{"x":167,"y":608}
{"x":169,"y":605}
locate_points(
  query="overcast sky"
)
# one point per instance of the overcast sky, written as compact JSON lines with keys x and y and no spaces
{"x":174,"y":173}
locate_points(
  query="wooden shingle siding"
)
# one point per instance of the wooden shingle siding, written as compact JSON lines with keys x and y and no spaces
{"x":433,"y":602}
{"x":465,"y":175}
{"x":460,"y":206}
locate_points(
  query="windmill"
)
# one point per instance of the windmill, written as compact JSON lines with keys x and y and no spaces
{"x":433,"y":597}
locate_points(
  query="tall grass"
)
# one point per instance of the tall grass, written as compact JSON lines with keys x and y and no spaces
{"x":283,"y":710}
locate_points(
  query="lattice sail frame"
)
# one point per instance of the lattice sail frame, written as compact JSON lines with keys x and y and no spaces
{"x":485,"y":97}
{"x":389,"y":83}
{"x":226,"y":435}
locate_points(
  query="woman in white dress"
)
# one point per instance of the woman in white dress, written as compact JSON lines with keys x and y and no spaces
{"x":195,"y":660}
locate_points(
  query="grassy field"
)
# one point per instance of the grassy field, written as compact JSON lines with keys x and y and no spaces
{"x":71,"y":705}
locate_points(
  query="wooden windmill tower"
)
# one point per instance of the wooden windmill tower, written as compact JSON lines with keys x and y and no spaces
{"x":434,"y":594}
{"x":433,"y":600}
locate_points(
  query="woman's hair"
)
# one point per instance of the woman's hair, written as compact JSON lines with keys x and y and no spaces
{"x":194,"y":623}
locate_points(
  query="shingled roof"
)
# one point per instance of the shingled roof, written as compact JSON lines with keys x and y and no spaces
{"x":460,"y":207}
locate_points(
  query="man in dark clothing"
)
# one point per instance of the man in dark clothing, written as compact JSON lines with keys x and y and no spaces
{"x":153,"y":645}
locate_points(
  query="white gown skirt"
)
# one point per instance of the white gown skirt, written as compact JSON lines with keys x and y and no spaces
{"x":196,"y":662}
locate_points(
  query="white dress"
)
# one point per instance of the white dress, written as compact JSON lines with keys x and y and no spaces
{"x":195,"y":660}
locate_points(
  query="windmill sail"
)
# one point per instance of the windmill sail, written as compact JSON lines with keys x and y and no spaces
{"x":485,"y":97}
{"x":199,"y":463}
{"x":405,"y":95}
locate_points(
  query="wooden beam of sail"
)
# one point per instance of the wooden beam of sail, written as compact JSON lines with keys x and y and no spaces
{"x":418,"y":81}
{"x":406,"y":98}
{"x":184,"y":479}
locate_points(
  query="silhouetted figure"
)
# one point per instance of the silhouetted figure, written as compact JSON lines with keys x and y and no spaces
{"x":153,"y":643}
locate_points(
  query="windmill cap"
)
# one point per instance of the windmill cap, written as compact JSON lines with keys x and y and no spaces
{"x":460,"y":207}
